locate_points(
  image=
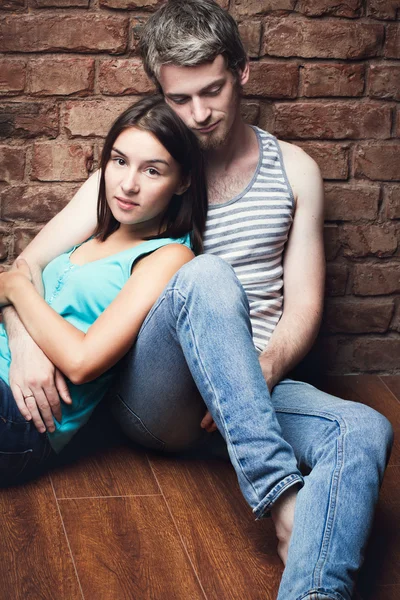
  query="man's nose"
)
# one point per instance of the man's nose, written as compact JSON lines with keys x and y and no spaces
{"x":201,"y":113}
{"x":130,"y":183}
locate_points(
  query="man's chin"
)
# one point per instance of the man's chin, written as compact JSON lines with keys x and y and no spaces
{"x":211,"y":142}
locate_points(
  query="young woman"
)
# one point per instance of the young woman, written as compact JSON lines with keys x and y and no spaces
{"x":152,"y":207}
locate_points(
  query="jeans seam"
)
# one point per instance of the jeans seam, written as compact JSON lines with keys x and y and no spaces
{"x":334,"y":487}
{"x":183,"y":299}
{"x":140,"y":421}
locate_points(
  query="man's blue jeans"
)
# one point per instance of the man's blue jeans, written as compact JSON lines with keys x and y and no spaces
{"x":195,"y":347}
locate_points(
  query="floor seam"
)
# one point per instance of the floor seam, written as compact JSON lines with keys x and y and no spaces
{"x":388,"y":388}
{"x":66,"y":537}
{"x":177,"y":529}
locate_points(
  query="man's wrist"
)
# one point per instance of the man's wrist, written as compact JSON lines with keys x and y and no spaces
{"x":16,"y":284}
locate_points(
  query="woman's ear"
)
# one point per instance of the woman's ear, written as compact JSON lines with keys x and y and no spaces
{"x":184,"y":185}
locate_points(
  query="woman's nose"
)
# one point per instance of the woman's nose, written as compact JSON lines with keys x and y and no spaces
{"x":130,"y":183}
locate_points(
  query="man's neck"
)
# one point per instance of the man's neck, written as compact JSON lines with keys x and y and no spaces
{"x":238,"y":143}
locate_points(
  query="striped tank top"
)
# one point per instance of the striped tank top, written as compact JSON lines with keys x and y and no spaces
{"x":250,"y":232}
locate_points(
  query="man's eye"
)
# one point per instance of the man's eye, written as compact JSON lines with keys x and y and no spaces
{"x":214,"y":92}
{"x":179,"y":100}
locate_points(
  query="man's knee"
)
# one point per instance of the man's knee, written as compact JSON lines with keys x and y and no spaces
{"x":213,"y":279}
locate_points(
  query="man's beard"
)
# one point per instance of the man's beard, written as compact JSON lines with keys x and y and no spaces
{"x":220,"y":137}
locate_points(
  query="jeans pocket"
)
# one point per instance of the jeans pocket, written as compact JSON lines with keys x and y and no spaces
{"x":132,"y":425}
{"x":12,"y":464}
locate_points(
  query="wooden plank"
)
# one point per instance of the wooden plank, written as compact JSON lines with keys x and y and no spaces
{"x":383,"y":555}
{"x":128,"y":548}
{"x":234,"y":555}
{"x":117,"y":471}
{"x":393,"y":383}
{"x":370,"y":390}
{"x":34,"y":554}
{"x":384,"y":592}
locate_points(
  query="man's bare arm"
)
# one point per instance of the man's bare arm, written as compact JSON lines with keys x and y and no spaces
{"x":31,"y":372}
{"x":303,"y":268}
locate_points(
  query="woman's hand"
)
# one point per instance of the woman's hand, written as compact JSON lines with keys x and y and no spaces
{"x":19,"y":274}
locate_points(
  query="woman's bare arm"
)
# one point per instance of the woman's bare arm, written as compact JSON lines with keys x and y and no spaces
{"x":31,"y":372}
{"x":83,"y":357}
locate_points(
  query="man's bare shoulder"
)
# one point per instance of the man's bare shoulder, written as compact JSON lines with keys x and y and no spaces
{"x":302,"y":170}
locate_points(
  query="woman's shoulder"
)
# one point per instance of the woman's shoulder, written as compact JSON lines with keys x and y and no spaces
{"x":173,"y":255}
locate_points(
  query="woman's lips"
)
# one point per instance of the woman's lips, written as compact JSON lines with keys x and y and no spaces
{"x":125,"y":204}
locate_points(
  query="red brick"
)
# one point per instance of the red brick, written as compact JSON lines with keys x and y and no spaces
{"x":384,"y":81}
{"x":318,"y":39}
{"x":12,"y":76}
{"x":331,"y":241}
{"x":124,"y":76}
{"x":61,"y":76}
{"x":250,"y":112}
{"x":61,"y":3}
{"x":12,"y":4}
{"x":93,"y":117}
{"x":362,"y":240}
{"x":83,"y":33}
{"x":376,"y":354}
{"x":12,"y":163}
{"x":131,"y":4}
{"x":137,"y":24}
{"x":391,"y":195}
{"x":336,"y":279}
{"x":35,"y":203}
{"x":351,"y":202}
{"x":273,"y":80}
{"x":332,"y":120}
{"x":61,"y":161}
{"x":395,"y":324}
{"x":332,"y":80}
{"x":22,"y":237}
{"x":376,"y":279}
{"x":378,"y":161}
{"x":383,"y":9}
{"x":318,"y":8}
{"x":248,"y":8}
{"x":332,"y":158}
{"x":392,"y":42}
{"x":4,"y":242}
{"x":28,"y":119}
{"x":267,"y":116}
{"x":348,"y":315}
{"x":250,"y":33}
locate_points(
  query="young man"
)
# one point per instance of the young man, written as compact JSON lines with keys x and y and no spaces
{"x":226,"y":333}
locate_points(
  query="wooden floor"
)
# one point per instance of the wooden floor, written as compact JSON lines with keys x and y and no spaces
{"x":124,"y":524}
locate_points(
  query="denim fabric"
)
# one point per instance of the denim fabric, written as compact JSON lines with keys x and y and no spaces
{"x":195,"y":347}
{"x":23,"y":450}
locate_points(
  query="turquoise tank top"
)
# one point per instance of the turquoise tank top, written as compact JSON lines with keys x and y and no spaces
{"x":80,"y":293}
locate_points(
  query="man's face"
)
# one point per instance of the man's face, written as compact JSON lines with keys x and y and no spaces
{"x":206,"y":97}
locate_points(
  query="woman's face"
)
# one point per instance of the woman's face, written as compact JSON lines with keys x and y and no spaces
{"x":141,"y":178}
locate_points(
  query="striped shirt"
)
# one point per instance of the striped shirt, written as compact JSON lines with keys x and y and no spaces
{"x":250,"y":232}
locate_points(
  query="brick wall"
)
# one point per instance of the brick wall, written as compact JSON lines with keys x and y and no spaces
{"x":325,"y":75}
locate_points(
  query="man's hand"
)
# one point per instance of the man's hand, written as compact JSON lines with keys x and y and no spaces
{"x":37,"y":385}
{"x":208,"y":423}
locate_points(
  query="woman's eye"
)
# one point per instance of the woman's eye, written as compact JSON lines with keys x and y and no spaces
{"x":152,"y":171}
{"x":119,"y":161}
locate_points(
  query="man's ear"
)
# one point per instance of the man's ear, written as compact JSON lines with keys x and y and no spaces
{"x":244,"y":75}
{"x":184,"y":185}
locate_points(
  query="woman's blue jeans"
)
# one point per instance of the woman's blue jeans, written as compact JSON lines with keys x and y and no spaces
{"x":197,"y":338}
{"x":24,"y":451}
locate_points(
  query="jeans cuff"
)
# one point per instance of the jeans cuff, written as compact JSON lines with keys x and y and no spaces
{"x":321,"y":594}
{"x":264,"y":507}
